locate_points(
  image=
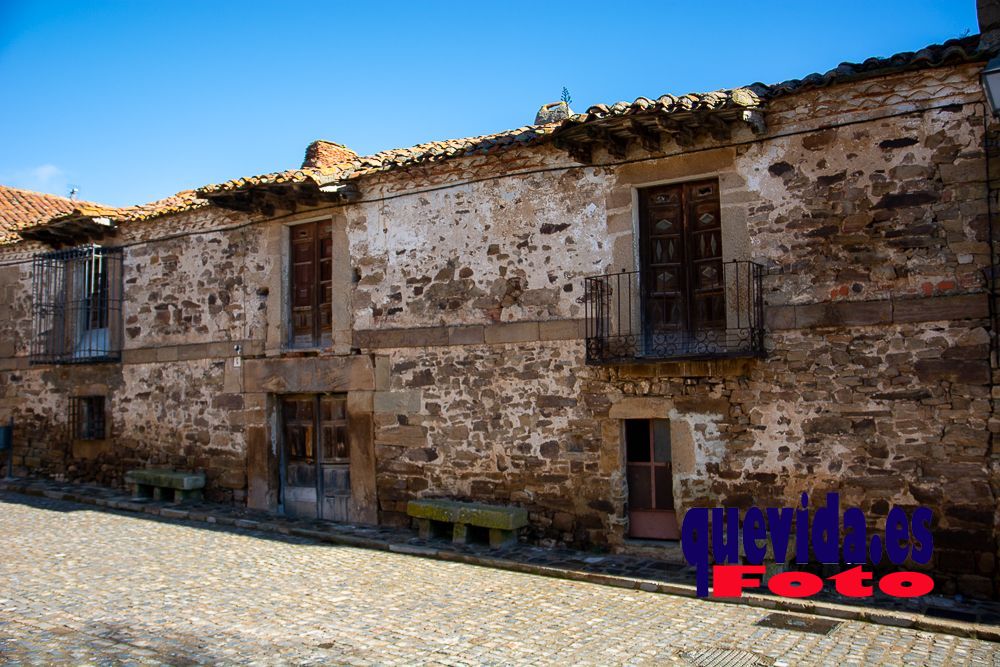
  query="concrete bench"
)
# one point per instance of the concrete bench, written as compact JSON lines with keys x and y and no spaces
{"x":436,"y":518}
{"x":168,"y":485}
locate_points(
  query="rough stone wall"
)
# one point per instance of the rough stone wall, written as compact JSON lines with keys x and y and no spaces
{"x":509,"y":423}
{"x":194,"y":289}
{"x":497,"y":250}
{"x":866,"y":202}
{"x":161,"y":414}
{"x":876,"y":383}
{"x":174,"y":401}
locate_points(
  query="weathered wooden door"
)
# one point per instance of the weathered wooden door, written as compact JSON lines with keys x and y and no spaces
{"x":315,"y":475}
{"x":680,"y":250}
{"x":650,"y":478}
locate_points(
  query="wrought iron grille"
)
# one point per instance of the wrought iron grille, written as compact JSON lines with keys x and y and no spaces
{"x":77,"y":299}
{"x":86,"y":418}
{"x":626,"y":321}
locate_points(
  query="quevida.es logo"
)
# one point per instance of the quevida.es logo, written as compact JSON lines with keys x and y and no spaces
{"x":905,"y":537}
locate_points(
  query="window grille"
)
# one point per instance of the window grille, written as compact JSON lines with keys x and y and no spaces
{"x":77,"y":297}
{"x":86,"y":418}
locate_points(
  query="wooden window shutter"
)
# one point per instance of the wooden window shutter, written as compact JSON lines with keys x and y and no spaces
{"x":324,"y":317}
{"x":303,"y":282}
{"x":311,"y":283}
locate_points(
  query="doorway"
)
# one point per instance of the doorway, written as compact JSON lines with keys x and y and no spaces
{"x":650,"y":478}
{"x":681,"y":268}
{"x":315,"y":456}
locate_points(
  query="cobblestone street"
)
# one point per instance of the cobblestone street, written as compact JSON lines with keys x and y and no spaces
{"x":84,"y":586}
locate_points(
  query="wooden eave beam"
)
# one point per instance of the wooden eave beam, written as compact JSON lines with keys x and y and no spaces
{"x":615,"y":145}
{"x":72,"y":230}
{"x":718,"y":128}
{"x":648,"y":136}
{"x":682,"y":134}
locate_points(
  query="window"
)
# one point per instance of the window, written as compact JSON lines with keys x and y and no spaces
{"x":77,"y":301}
{"x":311,"y":273}
{"x":86,"y":418}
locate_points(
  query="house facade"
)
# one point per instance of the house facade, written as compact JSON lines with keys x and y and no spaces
{"x":722,"y":299}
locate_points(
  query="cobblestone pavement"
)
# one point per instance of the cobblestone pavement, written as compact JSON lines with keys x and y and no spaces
{"x":79,"y":586}
{"x":662,"y":569}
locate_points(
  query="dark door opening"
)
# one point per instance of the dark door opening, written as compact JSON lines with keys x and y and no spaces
{"x":315,"y":475}
{"x":650,"y":478}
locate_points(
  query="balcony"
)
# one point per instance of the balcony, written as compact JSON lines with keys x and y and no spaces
{"x":638,"y":316}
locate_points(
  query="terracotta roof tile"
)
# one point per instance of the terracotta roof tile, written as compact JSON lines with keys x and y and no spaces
{"x":182,"y":201}
{"x":20,"y":209}
{"x":327,"y":162}
{"x":738,"y":98}
{"x":274,"y":178}
{"x":396,"y":158}
{"x":951,"y":52}
{"x":63,"y":210}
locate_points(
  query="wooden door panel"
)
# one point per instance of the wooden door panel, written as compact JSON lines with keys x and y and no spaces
{"x":705,"y":242}
{"x":311,"y":278}
{"x":316,"y":481}
{"x":680,"y":238}
{"x":663,"y":255}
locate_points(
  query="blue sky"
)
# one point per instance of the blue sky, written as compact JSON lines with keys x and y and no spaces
{"x":133,"y":101}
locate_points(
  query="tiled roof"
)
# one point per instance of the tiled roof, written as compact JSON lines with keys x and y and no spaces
{"x":433,"y":151}
{"x":182,"y":201}
{"x":20,"y":209}
{"x":951,"y":52}
{"x":436,"y":151}
{"x":720,"y":100}
{"x":76,"y":211}
{"x":274,"y":178}
{"x":328,"y":163}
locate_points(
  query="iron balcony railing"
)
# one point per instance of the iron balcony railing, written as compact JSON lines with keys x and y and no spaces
{"x":634,"y":316}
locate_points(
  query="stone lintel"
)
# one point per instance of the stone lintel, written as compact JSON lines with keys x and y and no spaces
{"x":312,"y":375}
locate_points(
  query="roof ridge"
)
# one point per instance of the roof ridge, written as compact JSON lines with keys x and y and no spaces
{"x":38,"y":193}
{"x":952,"y":51}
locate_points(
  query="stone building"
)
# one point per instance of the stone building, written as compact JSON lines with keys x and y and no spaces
{"x":721,"y":299}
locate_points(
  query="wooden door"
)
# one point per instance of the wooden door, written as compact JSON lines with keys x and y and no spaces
{"x":681,"y":272}
{"x":650,"y":478}
{"x":316,"y":453}
{"x":335,"y":482}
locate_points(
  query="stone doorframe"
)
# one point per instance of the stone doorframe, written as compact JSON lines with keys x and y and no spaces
{"x":682,"y":443}
{"x":266,"y":379}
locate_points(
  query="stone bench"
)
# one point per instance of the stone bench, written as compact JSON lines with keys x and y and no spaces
{"x":436,"y":518}
{"x":168,"y":485}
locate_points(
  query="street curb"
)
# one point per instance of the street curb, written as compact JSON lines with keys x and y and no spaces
{"x":885,"y":617}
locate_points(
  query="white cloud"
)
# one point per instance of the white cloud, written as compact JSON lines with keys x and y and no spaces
{"x":46,"y":173}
